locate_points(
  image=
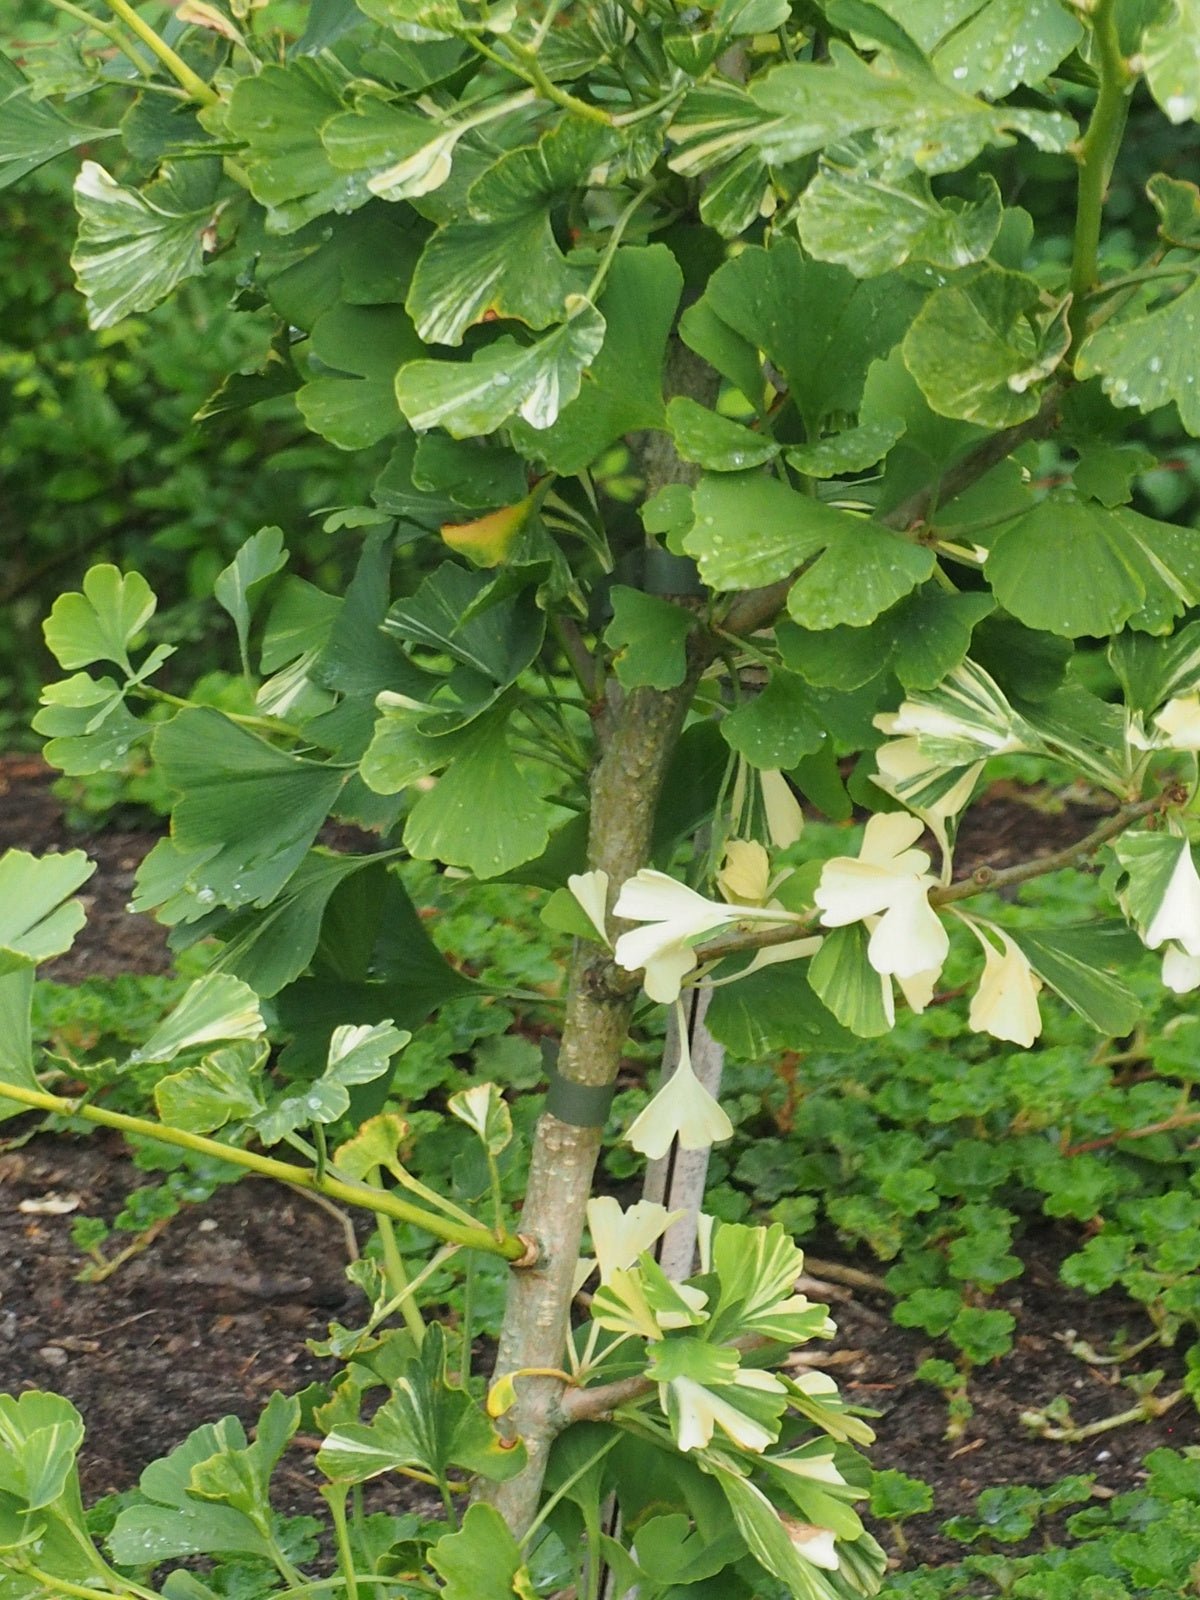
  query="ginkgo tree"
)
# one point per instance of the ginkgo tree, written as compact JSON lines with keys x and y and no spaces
{"x":720,"y":366}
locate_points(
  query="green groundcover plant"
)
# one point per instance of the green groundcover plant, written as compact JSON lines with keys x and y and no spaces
{"x":714,"y":350}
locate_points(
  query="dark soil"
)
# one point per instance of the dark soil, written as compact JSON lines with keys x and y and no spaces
{"x":874,"y":1361}
{"x":213,"y":1315}
{"x":209,"y":1319}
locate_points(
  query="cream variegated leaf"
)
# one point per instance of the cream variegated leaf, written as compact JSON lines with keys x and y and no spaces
{"x":136,"y":246}
{"x":1161,"y":891}
{"x":534,"y":381}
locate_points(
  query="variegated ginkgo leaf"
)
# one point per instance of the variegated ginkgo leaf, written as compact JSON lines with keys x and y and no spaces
{"x":620,"y":1235}
{"x":937,"y":794}
{"x":965,"y":719}
{"x":1161,"y":892}
{"x":745,"y":874}
{"x":135,"y":246}
{"x":675,"y":917}
{"x":889,"y":880}
{"x":590,"y":890}
{"x":682,"y":1110}
{"x":1005,"y":1003}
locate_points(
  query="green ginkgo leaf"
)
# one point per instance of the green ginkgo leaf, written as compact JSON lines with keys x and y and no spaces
{"x":38,"y":920}
{"x":482,"y":1561}
{"x":100,"y":623}
{"x":863,"y":570}
{"x":1075,"y":568}
{"x":650,"y":638}
{"x":40,"y":1435}
{"x":996,"y":44}
{"x":135,"y":246}
{"x":448,"y":823}
{"x":1178,"y":205}
{"x":778,"y":727}
{"x":818,"y":324}
{"x":717,"y":443}
{"x":355,"y":352}
{"x":88,"y":726}
{"x":247,"y":812}
{"x":1170,"y":54}
{"x":1149,"y":360}
{"x":852,"y":451}
{"x":930,"y":122}
{"x":238,"y":586}
{"x":750,"y":530}
{"x":977,"y":351}
{"x":33,"y":132}
{"x":279,"y":113}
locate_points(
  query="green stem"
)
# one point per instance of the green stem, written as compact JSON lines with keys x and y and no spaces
{"x":60,"y":1586}
{"x":382,"y":1202}
{"x":578,"y":657}
{"x":567,"y":1485}
{"x":1146,"y":1410}
{"x":244,"y":719}
{"x":106,"y":30}
{"x":334,"y":1495}
{"x":379,"y":1317}
{"x":291,"y":1575}
{"x":1096,"y":155}
{"x":448,"y":1504}
{"x":626,"y":119}
{"x":397,"y":1277}
{"x":534,"y":752}
{"x":468,"y":1322}
{"x":547,"y":22}
{"x":615,"y":237}
{"x":527,"y":66}
{"x":1134,"y":280}
{"x":497,"y":1194}
{"x":159,"y":48}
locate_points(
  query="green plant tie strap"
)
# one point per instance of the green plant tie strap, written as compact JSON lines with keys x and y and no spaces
{"x":582,"y":1105}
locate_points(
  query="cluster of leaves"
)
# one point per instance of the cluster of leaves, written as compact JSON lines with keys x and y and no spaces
{"x":99,"y":452}
{"x":938,"y":1156}
{"x":475,"y":230}
{"x":211,"y":1496}
{"x":1136,"y":1546}
{"x":446,"y":227}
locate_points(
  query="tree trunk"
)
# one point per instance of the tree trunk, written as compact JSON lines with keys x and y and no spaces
{"x":643,"y":730}
{"x":628,"y":781}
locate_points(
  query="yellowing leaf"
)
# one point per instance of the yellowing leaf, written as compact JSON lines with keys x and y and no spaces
{"x":487,"y":541}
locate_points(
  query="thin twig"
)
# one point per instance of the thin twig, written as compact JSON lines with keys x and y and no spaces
{"x":1167,"y":1125}
{"x":1146,"y":1410}
{"x":852,"y":1277}
{"x":983,"y":879}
